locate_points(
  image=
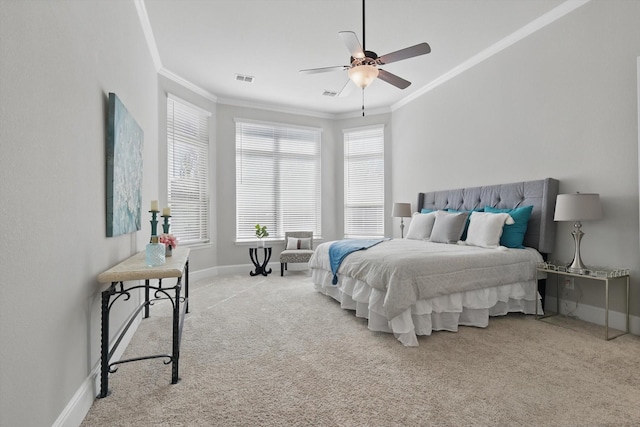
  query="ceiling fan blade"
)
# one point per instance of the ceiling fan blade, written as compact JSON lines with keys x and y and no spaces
{"x":409,"y":52}
{"x":346,"y":89}
{"x":353,"y":45}
{"x":392,"y":79}
{"x":325,"y":69}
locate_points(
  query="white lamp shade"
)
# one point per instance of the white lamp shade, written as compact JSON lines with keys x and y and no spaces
{"x":578,"y":207}
{"x":363,"y":75}
{"x":402,"y":210}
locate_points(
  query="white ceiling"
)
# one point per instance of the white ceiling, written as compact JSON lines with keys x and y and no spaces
{"x":208,"y":42}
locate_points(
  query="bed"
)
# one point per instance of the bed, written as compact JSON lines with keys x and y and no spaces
{"x":416,"y":285}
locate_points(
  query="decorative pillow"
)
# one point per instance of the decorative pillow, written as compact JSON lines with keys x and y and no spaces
{"x":294,"y":243}
{"x":448,"y":227}
{"x":466,"y":225}
{"x":485,"y":228}
{"x":421,"y":226}
{"x":425,"y":210}
{"x":513,"y":235}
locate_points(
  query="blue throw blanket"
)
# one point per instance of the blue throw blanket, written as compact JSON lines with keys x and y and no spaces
{"x":340,"y":249}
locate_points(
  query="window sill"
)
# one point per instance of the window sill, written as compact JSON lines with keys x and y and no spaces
{"x":270,"y":242}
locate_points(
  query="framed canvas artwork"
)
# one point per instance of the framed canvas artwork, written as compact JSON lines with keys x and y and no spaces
{"x":124,"y":170}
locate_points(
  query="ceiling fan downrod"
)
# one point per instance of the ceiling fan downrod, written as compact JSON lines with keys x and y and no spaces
{"x":364,"y":44}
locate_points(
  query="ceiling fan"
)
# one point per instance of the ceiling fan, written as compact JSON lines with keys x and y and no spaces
{"x":364,"y":65}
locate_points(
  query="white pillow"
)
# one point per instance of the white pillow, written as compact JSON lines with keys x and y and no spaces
{"x":294,"y":243}
{"x":421,"y":226}
{"x":485,"y":228}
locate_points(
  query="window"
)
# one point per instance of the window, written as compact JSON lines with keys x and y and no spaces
{"x":188,"y":170}
{"x":277,"y":179}
{"x":364,"y":182}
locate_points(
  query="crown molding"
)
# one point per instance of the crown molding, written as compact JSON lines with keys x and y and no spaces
{"x":301,"y":112}
{"x":367,"y":112}
{"x":274,"y":107}
{"x":187,"y":84}
{"x":148,"y":33}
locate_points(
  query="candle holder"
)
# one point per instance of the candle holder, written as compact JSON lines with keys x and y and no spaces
{"x":154,"y":223}
{"x":166,"y":225}
{"x":155,"y":251}
{"x":165,"y":228}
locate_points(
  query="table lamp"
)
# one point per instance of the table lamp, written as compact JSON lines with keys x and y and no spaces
{"x":401,"y":210}
{"x":577,"y":207}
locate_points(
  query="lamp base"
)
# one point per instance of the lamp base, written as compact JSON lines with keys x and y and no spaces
{"x":577,"y":265}
{"x":402,"y":228}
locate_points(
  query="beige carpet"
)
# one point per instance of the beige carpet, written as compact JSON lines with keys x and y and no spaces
{"x":271,"y":351}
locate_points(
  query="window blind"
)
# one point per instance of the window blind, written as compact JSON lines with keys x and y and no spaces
{"x":364,"y":182}
{"x":277,"y":179}
{"x":188,"y":171}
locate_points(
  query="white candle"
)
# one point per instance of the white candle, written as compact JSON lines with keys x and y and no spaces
{"x":166,"y":211}
{"x":154,"y":206}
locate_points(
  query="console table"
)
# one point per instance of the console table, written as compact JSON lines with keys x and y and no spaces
{"x":135,"y":269}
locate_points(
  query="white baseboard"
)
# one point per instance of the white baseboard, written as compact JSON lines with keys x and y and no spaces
{"x":241,"y":269}
{"x":81,"y":402}
{"x":203,"y":274}
{"x":221,"y":270}
{"x":593,"y":314}
{"x":235,"y":269}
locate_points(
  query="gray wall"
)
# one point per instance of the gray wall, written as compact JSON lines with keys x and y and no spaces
{"x":561,"y":103}
{"x":58,"y":62}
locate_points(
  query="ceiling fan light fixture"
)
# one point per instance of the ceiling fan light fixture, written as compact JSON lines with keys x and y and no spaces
{"x":363,"y":75}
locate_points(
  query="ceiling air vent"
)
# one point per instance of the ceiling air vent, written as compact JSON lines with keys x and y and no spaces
{"x":329,"y":93}
{"x":243,"y":78}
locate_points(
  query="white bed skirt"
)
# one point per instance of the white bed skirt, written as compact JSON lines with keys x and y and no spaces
{"x":444,"y":313}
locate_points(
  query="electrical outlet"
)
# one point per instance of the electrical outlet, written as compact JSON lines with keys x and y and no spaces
{"x":568,"y":283}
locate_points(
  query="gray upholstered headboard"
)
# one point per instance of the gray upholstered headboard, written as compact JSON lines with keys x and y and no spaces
{"x":541,"y":194}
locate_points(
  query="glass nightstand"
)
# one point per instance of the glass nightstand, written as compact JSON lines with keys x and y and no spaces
{"x":596,"y":273}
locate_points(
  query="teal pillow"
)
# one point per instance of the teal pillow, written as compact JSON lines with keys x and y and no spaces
{"x":513,"y":235}
{"x":466,"y":225}
{"x":425,"y":210}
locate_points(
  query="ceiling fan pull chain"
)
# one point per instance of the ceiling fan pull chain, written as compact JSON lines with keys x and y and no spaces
{"x":362,"y":102}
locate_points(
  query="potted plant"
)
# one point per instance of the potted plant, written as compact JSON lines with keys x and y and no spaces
{"x":261,"y":231}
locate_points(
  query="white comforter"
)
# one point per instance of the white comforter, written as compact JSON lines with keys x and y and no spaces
{"x":410,"y":270}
